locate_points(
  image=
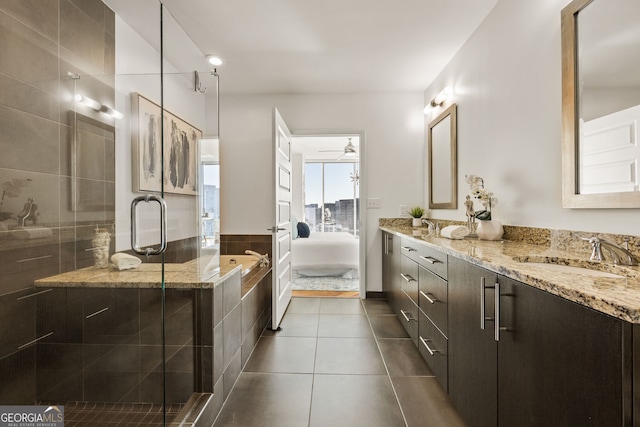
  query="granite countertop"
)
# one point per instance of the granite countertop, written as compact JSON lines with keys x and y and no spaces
{"x":147,"y":275}
{"x":618,"y":297}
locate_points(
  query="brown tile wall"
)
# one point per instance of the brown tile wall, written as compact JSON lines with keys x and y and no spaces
{"x":236,"y":244}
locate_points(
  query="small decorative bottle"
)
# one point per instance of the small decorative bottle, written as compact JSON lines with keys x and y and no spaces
{"x":101,"y":240}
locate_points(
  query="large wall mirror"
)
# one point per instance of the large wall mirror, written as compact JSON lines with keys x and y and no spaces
{"x":601,"y":104}
{"x":441,"y":139}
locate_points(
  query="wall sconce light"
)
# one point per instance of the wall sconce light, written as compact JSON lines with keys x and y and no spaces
{"x":111,"y":112}
{"x":86,"y":101}
{"x":95,"y":105}
{"x":439,"y":99}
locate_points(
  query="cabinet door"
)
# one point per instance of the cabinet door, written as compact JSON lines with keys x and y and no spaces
{"x":560,"y":363}
{"x":391,"y":258}
{"x":387,"y":262}
{"x":473,"y":350}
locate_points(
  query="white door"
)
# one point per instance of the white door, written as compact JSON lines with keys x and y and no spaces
{"x":281,"y":292}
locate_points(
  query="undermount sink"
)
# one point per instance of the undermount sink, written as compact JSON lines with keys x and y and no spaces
{"x":575,"y":270}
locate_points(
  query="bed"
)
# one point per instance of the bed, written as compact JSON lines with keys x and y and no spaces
{"x":325,"y":254}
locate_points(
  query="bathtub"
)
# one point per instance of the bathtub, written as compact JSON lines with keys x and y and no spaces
{"x":248,"y":262}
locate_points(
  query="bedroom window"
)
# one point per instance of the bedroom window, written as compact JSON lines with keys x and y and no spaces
{"x":332,"y":198}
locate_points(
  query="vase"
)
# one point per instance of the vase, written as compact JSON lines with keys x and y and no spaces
{"x":101,"y":240}
{"x":489,"y":230}
{"x":417,"y":222}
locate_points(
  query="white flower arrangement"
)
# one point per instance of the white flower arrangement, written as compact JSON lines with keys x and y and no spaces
{"x":476,"y":184}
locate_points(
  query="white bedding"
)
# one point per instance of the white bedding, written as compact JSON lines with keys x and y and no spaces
{"x":325,"y":254}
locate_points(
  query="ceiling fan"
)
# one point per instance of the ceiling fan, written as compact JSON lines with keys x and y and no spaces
{"x":349,"y":150}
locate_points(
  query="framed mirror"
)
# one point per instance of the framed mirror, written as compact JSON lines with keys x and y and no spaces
{"x":600,"y":104}
{"x":442,"y":160}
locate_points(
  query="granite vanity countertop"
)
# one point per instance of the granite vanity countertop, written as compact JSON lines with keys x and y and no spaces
{"x":185,"y":276}
{"x":618,"y":297}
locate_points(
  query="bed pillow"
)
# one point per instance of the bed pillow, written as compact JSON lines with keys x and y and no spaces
{"x":294,"y":227}
{"x":303,"y":229}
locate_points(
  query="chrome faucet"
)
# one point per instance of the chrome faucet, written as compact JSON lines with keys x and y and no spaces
{"x":619,"y":255}
{"x":431,"y":226}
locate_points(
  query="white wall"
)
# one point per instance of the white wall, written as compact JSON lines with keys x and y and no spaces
{"x":507,"y":79}
{"x":394,"y":151}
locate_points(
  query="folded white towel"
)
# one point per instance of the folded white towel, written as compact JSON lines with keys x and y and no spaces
{"x":455,"y":232}
{"x":125,"y":261}
{"x":31,"y":233}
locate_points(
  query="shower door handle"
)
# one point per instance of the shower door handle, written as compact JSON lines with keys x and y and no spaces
{"x":163,"y":225}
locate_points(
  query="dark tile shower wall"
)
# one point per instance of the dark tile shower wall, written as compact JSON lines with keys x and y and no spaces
{"x":41,"y":41}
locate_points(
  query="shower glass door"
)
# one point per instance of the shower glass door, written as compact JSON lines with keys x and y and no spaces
{"x":98,"y":108}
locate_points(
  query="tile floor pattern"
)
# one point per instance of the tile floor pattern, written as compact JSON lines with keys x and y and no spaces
{"x":337,"y":362}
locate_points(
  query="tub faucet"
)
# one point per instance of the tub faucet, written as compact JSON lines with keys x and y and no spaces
{"x":263,"y":259}
{"x":619,"y":255}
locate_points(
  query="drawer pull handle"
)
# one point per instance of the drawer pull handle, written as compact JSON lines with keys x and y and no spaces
{"x":429,"y":259}
{"x":34,"y":295}
{"x":407,"y":317}
{"x":408,"y":249}
{"x":97,"y":312}
{"x":429,"y":349}
{"x":426,"y":295}
{"x":407,"y":277}
{"x":35,"y":341}
{"x":483,"y":316}
{"x":35,"y":258}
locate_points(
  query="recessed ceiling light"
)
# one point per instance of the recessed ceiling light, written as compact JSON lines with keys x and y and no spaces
{"x":214,"y":60}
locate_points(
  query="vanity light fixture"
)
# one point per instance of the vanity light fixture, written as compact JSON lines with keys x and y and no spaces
{"x":95,"y":105}
{"x":214,"y":60}
{"x":111,"y":112}
{"x":444,"y":94}
{"x":439,"y":99}
{"x":89,"y":102}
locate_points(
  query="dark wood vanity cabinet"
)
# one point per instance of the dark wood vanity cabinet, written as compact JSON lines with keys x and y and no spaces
{"x":391,"y":286}
{"x":550,"y":362}
{"x":473,"y":352}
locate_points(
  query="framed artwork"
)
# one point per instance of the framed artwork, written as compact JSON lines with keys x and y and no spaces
{"x":180,"y":150}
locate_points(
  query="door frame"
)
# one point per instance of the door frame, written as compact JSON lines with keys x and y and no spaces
{"x":362,"y":252}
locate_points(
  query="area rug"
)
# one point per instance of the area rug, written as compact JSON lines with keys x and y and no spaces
{"x":324,"y":284}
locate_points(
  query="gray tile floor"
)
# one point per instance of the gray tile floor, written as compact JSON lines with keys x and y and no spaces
{"x":337,"y":362}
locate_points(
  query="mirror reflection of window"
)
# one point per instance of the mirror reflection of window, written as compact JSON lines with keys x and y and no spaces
{"x":608,"y":96}
{"x":211,"y":204}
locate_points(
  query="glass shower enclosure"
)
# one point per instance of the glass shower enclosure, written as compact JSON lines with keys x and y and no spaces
{"x":98,"y":109}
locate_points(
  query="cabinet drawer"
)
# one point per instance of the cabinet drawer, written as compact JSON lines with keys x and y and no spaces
{"x":433,"y":298}
{"x":433,"y":347}
{"x":408,"y":315}
{"x":409,"y":278}
{"x":431,"y":259}
{"x":22,"y":266}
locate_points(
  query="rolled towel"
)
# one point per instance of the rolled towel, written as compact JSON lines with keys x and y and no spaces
{"x":124,"y":261}
{"x":454,"y":232}
{"x":31,"y":233}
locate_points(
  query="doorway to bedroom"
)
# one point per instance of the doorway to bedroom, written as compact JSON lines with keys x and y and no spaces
{"x":325,"y":250}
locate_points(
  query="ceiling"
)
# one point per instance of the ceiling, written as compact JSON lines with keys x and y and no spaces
{"x":333,"y":46}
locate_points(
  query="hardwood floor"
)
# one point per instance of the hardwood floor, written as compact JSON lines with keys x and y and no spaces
{"x":332,"y":294}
